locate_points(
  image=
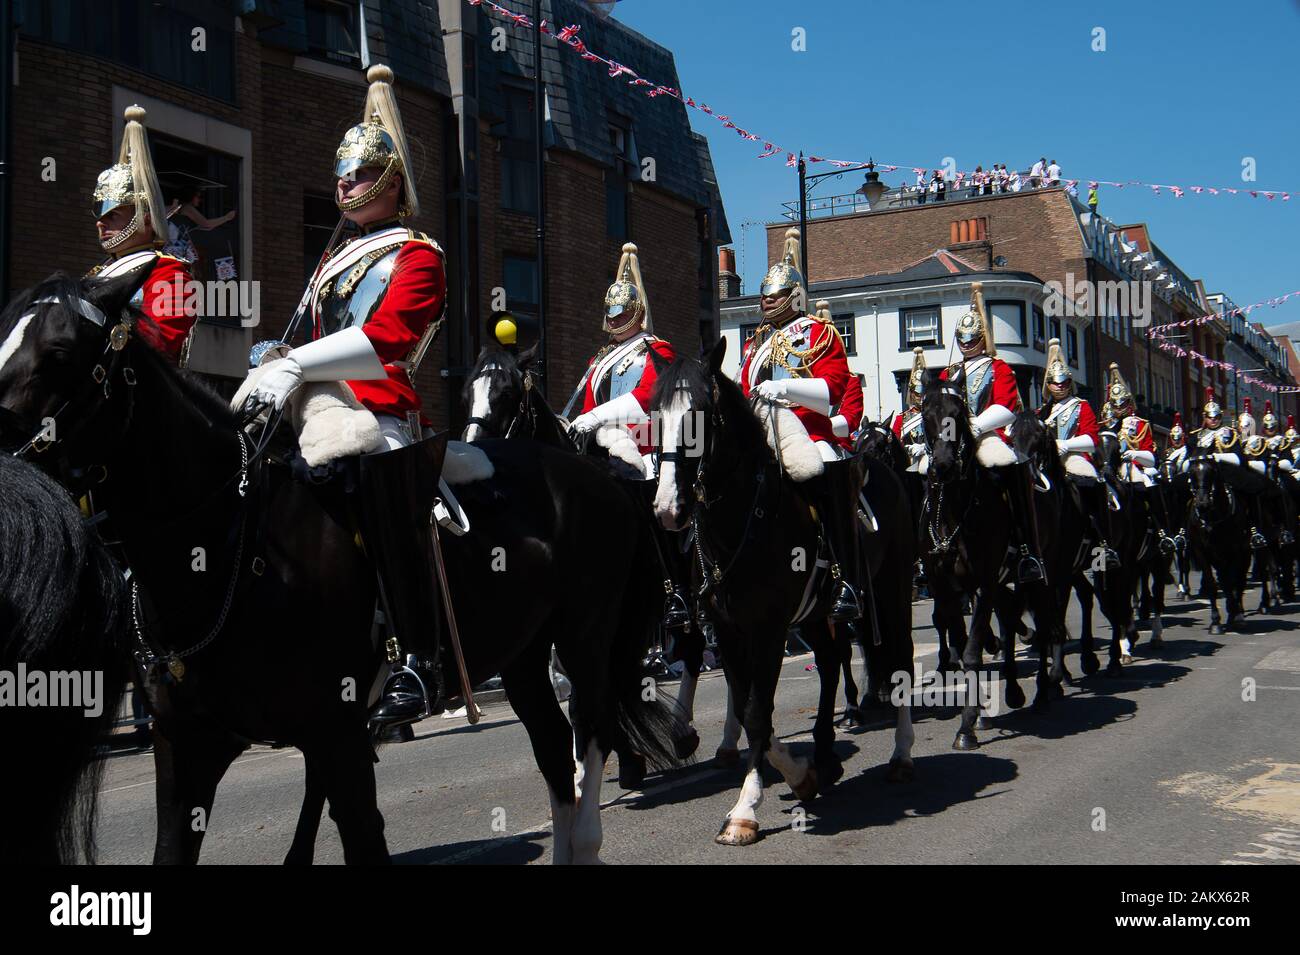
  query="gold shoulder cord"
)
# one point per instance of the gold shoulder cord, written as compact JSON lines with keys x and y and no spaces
{"x":1221,"y":446}
{"x":782,"y":352}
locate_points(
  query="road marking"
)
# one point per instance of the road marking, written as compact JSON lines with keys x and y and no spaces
{"x":1280,"y":845}
{"x":1274,"y":793}
{"x":1283,"y":658}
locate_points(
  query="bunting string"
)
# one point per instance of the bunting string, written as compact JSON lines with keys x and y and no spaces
{"x":568,"y":36}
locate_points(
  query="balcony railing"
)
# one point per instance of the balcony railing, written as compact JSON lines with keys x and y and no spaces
{"x":896,"y":198}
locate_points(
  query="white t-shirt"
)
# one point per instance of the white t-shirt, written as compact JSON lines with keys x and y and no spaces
{"x":1037,"y":170}
{"x":1053,"y":173}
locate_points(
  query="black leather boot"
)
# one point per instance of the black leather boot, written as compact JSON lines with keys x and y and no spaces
{"x":1020,"y":490}
{"x":1094,"y":502}
{"x":841,"y":483}
{"x":397,"y":492}
{"x":673,"y":563}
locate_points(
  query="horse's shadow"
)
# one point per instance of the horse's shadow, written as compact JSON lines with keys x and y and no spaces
{"x":507,"y":850}
{"x":1067,"y":717}
{"x":866,"y":800}
{"x":1145,"y":677}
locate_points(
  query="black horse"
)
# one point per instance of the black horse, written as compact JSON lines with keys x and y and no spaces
{"x":1218,"y":534}
{"x":255,"y":601}
{"x":62,"y":622}
{"x":758,"y":543}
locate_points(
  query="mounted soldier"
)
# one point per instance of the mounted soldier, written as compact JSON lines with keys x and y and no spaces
{"x":1246,"y":426}
{"x":1225,"y":444}
{"x":1078,"y":439}
{"x":988,"y":386}
{"x":1137,"y":444}
{"x":132,"y":222}
{"x":798,"y":361}
{"x":909,"y":425}
{"x":616,"y":397}
{"x":1176,"y":448}
{"x":620,"y":376}
{"x":374,"y":306}
{"x":1213,"y":435}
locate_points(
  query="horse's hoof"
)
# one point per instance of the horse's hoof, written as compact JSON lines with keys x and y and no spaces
{"x":1058,"y":691}
{"x":1041,"y":703}
{"x":631,"y":771}
{"x":829,"y":772}
{"x":1115,"y":667}
{"x":806,"y":789}
{"x":737,"y":832}
{"x":727,"y":758}
{"x":966,"y":742}
{"x":1027,"y":638}
{"x":684,"y":747}
{"x":900,"y":771}
{"x":984,"y":723}
{"x":1126,"y":659}
{"x":853,"y":717}
{"x":1015,"y":695}
{"x":1090,"y":663}
{"x":1216,"y":630}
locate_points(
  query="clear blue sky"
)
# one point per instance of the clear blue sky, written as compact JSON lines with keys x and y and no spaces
{"x":1183,"y":92}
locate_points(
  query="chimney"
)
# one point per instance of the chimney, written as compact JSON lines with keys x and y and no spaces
{"x":728,"y":280}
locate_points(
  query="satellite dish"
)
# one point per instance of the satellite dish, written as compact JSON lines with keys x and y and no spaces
{"x":602,"y":8}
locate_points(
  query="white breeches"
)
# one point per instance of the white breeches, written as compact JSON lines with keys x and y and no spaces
{"x":393,"y":431}
{"x":1080,"y":465}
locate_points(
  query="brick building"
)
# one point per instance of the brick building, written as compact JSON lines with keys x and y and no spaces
{"x":252,"y":120}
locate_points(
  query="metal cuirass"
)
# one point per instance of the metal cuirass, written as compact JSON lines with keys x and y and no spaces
{"x":354,"y":295}
{"x":1065,"y":421}
{"x":979,"y":385}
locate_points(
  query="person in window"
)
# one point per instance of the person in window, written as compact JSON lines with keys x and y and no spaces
{"x":184,"y":218}
{"x":130,"y":218}
{"x":374,"y":308}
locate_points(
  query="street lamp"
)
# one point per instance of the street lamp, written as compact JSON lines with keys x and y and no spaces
{"x":872,"y":188}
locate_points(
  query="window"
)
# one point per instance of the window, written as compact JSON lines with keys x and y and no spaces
{"x":623,"y":146}
{"x":844,"y":325}
{"x":143,"y":35}
{"x":920,"y":326}
{"x":520,"y":279}
{"x":319,"y":216}
{"x":519,"y":153}
{"x":1055,"y":326}
{"x":332,"y":31}
{"x":747,"y":332}
{"x":1008,"y":320}
{"x":1040,"y":329}
{"x":1072,"y":346}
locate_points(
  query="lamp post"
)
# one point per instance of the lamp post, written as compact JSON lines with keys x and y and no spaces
{"x":872,"y":188}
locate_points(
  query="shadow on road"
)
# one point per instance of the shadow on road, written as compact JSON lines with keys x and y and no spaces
{"x":508,"y":850}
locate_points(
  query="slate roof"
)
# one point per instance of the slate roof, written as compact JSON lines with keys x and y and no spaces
{"x":584,"y":99}
{"x":405,"y":34}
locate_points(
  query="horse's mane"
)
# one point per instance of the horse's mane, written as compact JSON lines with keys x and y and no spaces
{"x":192,"y":389}
{"x":1030,"y":437}
{"x":694,"y":377}
{"x":62,"y":607}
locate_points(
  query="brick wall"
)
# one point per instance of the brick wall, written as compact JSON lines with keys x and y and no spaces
{"x":582,"y":259}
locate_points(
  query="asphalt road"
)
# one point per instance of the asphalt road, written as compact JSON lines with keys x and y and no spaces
{"x":1166,"y":764}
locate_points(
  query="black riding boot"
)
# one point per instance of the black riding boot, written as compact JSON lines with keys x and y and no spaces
{"x":1020,"y":490}
{"x":1258,"y":517}
{"x":1095,"y":505}
{"x":397,"y":492}
{"x":841,"y":483}
{"x":673,"y":564}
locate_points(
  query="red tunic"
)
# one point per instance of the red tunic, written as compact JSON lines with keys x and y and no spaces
{"x":649,"y":374}
{"x":852,"y":408}
{"x":413,"y":300}
{"x":1003,"y":391}
{"x":1145,"y":441}
{"x":832,"y":366}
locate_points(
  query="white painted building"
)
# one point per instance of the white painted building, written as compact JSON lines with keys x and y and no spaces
{"x":882,"y":317}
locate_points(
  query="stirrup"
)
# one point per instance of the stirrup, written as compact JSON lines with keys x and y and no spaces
{"x":1110,"y":555}
{"x":405,"y":699}
{"x":677,"y":612}
{"x":1257,"y":541}
{"x":1030,"y":570}
{"x":1167,"y":544}
{"x":846,"y":607}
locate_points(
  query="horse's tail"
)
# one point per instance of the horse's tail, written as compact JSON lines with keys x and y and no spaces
{"x":644,"y":719}
{"x":62,"y":614}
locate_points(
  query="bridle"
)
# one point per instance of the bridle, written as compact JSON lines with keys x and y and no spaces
{"x":713,"y":569}
{"x":943,"y":543}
